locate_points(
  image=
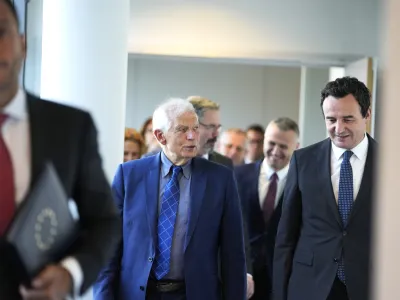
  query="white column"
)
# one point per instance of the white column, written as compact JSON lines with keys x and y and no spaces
{"x":131,"y":114}
{"x":84,"y":64}
{"x":33,"y":60}
{"x":387,"y":201}
{"x":311,"y":120}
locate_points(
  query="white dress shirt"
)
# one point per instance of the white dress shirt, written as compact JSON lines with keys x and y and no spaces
{"x":247,"y":161}
{"x":264,"y":180}
{"x":16,"y":135}
{"x":357,"y":161}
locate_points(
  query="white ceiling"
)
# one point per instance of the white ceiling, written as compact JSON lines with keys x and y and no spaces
{"x":284,"y":31}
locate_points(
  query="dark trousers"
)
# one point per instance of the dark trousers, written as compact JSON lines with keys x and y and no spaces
{"x":262,"y":284}
{"x":338,"y":291}
{"x":153,"y":294}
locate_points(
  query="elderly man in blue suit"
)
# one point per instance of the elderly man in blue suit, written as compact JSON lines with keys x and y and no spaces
{"x":178,"y":211}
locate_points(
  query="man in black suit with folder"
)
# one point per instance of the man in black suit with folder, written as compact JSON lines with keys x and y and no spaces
{"x":322,"y":248}
{"x":33,"y":132}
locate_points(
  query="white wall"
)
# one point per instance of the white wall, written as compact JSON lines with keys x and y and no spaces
{"x":246,"y":93}
{"x":256,"y":29}
{"x":312,"y":125}
{"x":386,"y":236}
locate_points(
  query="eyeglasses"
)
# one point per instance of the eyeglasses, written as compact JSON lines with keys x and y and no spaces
{"x":238,"y":149}
{"x":211,"y":127}
{"x":255,"y":142}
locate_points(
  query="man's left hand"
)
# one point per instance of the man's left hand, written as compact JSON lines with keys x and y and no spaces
{"x":53,"y":283}
{"x":250,"y":286}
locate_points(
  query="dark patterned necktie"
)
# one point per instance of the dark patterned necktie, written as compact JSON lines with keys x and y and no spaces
{"x":345,"y":201}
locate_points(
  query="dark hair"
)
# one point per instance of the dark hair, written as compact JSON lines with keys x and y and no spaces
{"x":286,"y":124}
{"x":342,"y":87}
{"x":256,"y":127}
{"x":12,"y":8}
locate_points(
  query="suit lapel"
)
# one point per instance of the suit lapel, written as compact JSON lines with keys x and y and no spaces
{"x":365,"y":190}
{"x":37,"y":130}
{"x":325,"y":181}
{"x":254,"y":182}
{"x":278,"y":207}
{"x":152,"y":194}
{"x":215,"y":157}
{"x":198,"y":184}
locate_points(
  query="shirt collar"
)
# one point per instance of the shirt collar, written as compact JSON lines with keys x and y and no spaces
{"x":269,"y":171}
{"x":360,"y":151}
{"x":247,"y":161}
{"x":206,"y":156}
{"x":166,"y":165}
{"x":17,"y":109}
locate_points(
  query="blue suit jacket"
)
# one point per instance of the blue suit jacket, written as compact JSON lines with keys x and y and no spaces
{"x":214,"y":222}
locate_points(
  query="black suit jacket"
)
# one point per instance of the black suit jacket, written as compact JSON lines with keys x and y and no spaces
{"x":261,"y":235}
{"x":220,"y":159}
{"x":67,"y":137}
{"x":227,"y":162}
{"x":311,"y":237}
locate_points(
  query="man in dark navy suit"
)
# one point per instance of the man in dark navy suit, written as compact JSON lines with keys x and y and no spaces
{"x":208,"y":113}
{"x":324,"y":236}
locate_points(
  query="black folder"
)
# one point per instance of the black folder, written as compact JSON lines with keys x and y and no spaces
{"x":43,"y":228}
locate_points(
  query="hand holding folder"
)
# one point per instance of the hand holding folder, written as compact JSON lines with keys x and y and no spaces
{"x":43,"y":228}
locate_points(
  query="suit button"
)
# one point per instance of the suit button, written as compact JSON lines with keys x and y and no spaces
{"x":142,"y":288}
{"x":151,"y":259}
{"x":344,"y":233}
{"x":335,"y":260}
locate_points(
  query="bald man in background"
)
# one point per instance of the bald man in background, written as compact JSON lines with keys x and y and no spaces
{"x":232,"y":143}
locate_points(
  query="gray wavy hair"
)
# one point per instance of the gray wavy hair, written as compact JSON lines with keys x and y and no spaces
{"x":165,"y":114}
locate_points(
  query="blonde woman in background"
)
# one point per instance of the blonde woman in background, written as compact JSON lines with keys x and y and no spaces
{"x":134,"y":145}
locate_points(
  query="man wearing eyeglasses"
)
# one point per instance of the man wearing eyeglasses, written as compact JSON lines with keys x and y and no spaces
{"x":209,"y":121}
{"x":210,"y":127}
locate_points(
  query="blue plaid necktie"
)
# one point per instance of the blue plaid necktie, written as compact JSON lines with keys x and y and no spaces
{"x":345,"y":201}
{"x":166,"y":223}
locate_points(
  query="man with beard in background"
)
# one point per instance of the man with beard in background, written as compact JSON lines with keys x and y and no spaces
{"x":209,"y":129}
{"x":209,"y":120}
